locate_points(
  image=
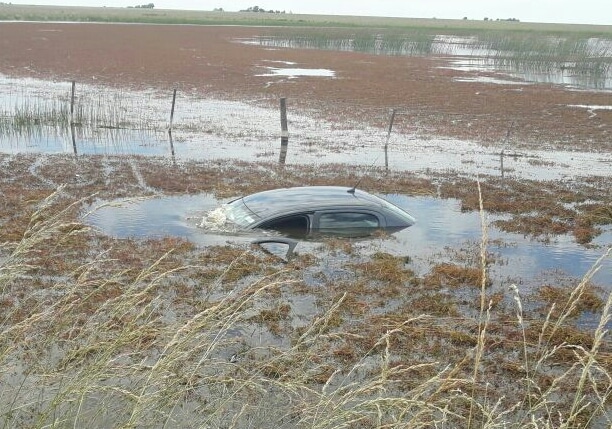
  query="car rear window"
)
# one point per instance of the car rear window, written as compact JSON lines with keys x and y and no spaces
{"x":347,"y":220}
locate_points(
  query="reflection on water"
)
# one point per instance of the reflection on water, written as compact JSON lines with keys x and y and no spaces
{"x":586,"y":75}
{"x":440,"y":225}
{"x":86,"y":141}
{"x":40,"y":117}
{"x":153,"y":217}
{"x":447,"y":226}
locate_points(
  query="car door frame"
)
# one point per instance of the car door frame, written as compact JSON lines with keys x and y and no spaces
{"x":309,"y":215}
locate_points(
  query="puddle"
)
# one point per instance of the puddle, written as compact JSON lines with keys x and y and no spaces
{"x":298,"y":72}
{"x":50,"y":140}
{"x":440,"y":226}
{"x":211,"y":129}
{"x":488,"y":79}
{"x":444,"y":225}
{"x":592,"y":109}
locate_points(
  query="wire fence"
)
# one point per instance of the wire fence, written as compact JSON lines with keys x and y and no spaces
{"x":38,"y":116}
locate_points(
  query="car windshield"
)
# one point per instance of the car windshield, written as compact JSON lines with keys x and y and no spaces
{"x":239,"y":214}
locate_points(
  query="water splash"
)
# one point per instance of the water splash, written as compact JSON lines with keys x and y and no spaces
{"x":215,"y":220}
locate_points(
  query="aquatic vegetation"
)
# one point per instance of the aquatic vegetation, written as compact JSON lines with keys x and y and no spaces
{"x":31,"y":114}
{"x":587,"y":59}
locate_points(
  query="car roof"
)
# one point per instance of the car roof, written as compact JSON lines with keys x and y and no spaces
{"x":308,"y":198}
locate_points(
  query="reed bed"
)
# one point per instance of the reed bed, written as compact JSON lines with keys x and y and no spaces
{"x":28,"y":114}
{"x":526,"y":51}
{"x":170,"y":343}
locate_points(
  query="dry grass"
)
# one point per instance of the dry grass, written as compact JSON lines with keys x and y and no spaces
{"x":453,"y":275}
{"x":102,"y":332}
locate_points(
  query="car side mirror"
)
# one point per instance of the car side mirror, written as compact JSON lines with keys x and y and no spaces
{"x":280,"y":247}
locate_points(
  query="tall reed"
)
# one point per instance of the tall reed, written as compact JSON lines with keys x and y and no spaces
{"x":32,"y":114}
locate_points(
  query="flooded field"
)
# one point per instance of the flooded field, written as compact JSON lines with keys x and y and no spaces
{"x":114,"y":123}
{"x":209,"y":129}
{"x":120,"y":307}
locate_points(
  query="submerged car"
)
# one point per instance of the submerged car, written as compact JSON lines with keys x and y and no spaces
{"x":309,"y":211}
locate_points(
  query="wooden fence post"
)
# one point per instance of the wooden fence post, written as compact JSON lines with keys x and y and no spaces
{"x":72,"y":102}
{"x":172,"y":109}
{"x":388,"y":137}
{"x":284,"y":130}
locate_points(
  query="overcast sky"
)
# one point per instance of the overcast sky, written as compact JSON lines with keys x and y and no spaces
{"x":565,"y":11}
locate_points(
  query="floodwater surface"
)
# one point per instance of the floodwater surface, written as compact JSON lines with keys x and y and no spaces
{"x":211,"y":129}
{"x":441,"y":225}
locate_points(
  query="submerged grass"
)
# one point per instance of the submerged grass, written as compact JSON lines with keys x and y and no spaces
{"x":26,"y":114}
{"x":502,"y":42}
{"x":523,"y":51}
{"x":110,"y":343}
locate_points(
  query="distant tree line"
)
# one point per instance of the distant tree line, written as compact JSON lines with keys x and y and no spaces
{"x":143,"y":6}
{"x":498,"y":19}
{"x":259,"y":9}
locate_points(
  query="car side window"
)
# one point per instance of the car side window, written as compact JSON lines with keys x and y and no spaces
{"x":292,"y":226}
{"x":348,"y":221}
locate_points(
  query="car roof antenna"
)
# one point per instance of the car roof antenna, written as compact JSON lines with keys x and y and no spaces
{"x":352,"y":190}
